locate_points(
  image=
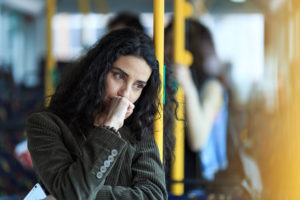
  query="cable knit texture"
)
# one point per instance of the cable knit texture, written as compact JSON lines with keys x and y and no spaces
{"x":104,"y":167}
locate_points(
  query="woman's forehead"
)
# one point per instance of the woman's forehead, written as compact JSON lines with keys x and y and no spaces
{"x":133,"y":66}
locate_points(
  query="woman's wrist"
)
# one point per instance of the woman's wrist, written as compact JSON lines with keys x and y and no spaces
{"x":111,"y":123}
{"x":111,"y":128}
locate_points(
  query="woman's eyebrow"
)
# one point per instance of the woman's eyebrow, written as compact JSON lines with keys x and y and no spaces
{"x":142,"y":82}
{"x":120,"y":70}
{"x":125,"y":74}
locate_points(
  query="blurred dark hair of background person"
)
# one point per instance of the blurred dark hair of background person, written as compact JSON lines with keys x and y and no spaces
{"x":125,"y":19}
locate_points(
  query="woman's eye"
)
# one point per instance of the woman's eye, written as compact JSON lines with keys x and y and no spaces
{"x":117,"y":75}
{"x":139,"y":86}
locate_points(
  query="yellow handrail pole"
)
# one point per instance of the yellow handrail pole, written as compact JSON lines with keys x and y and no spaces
{"x":102,"y":6}
{"x":50,"y":62}
{"x":177,"y":171}
{"x":182,"y":10}
{"x":84,"y":6}
{"x":159,"y":7}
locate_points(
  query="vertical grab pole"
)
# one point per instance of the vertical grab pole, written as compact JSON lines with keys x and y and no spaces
{"x":182,"y":10}
{"x":84,"y":6}
{"x":159,"y":7}
{"x":50,"y":62}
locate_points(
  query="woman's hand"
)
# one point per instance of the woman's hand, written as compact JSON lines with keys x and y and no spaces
{"x":119,"y":109}
{"x":49,"y":197}
{"x":183,"y":75}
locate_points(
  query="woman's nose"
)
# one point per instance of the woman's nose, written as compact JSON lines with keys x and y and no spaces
{"x":124,"y":91}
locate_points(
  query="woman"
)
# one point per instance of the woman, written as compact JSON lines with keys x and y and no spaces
{"x":94,"y":140}
{"x":206,"y":103}
{"x":131,"y":20}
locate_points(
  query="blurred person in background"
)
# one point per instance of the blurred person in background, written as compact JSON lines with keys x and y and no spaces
{"x":206,"y":103}
{"x":125,"y":19}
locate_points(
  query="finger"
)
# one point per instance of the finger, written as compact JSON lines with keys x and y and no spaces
{"x":121,"y":106}
{"x":49,"y":197}
{"x":130,"y":110}
{"x":131,"y":106}
{"x":128,"y":113}
{"x":126,"y":102}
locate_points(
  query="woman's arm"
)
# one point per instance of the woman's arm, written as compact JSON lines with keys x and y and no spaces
{"x":148,"y":181}
{"x":66,"y":176}
{"x":200,"y":112}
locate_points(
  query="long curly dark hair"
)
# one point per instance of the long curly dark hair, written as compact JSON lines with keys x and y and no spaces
{"x":170,"y":114}
{"x":82,"y":87}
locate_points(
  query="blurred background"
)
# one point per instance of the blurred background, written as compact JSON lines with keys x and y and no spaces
{"x":257,"y":40}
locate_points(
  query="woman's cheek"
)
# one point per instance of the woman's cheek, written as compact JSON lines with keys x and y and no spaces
{"x":137,"y":96}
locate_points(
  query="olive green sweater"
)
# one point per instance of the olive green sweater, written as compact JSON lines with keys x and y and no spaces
{"x":104,"y":166}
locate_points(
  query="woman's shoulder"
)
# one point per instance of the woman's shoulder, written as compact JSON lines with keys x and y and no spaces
{"x":43,"y":118}
{"x":43,"y":115}
{"x":212,"y":86}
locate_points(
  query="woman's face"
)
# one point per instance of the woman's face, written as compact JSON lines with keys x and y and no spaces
{"x":127,"y":78}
